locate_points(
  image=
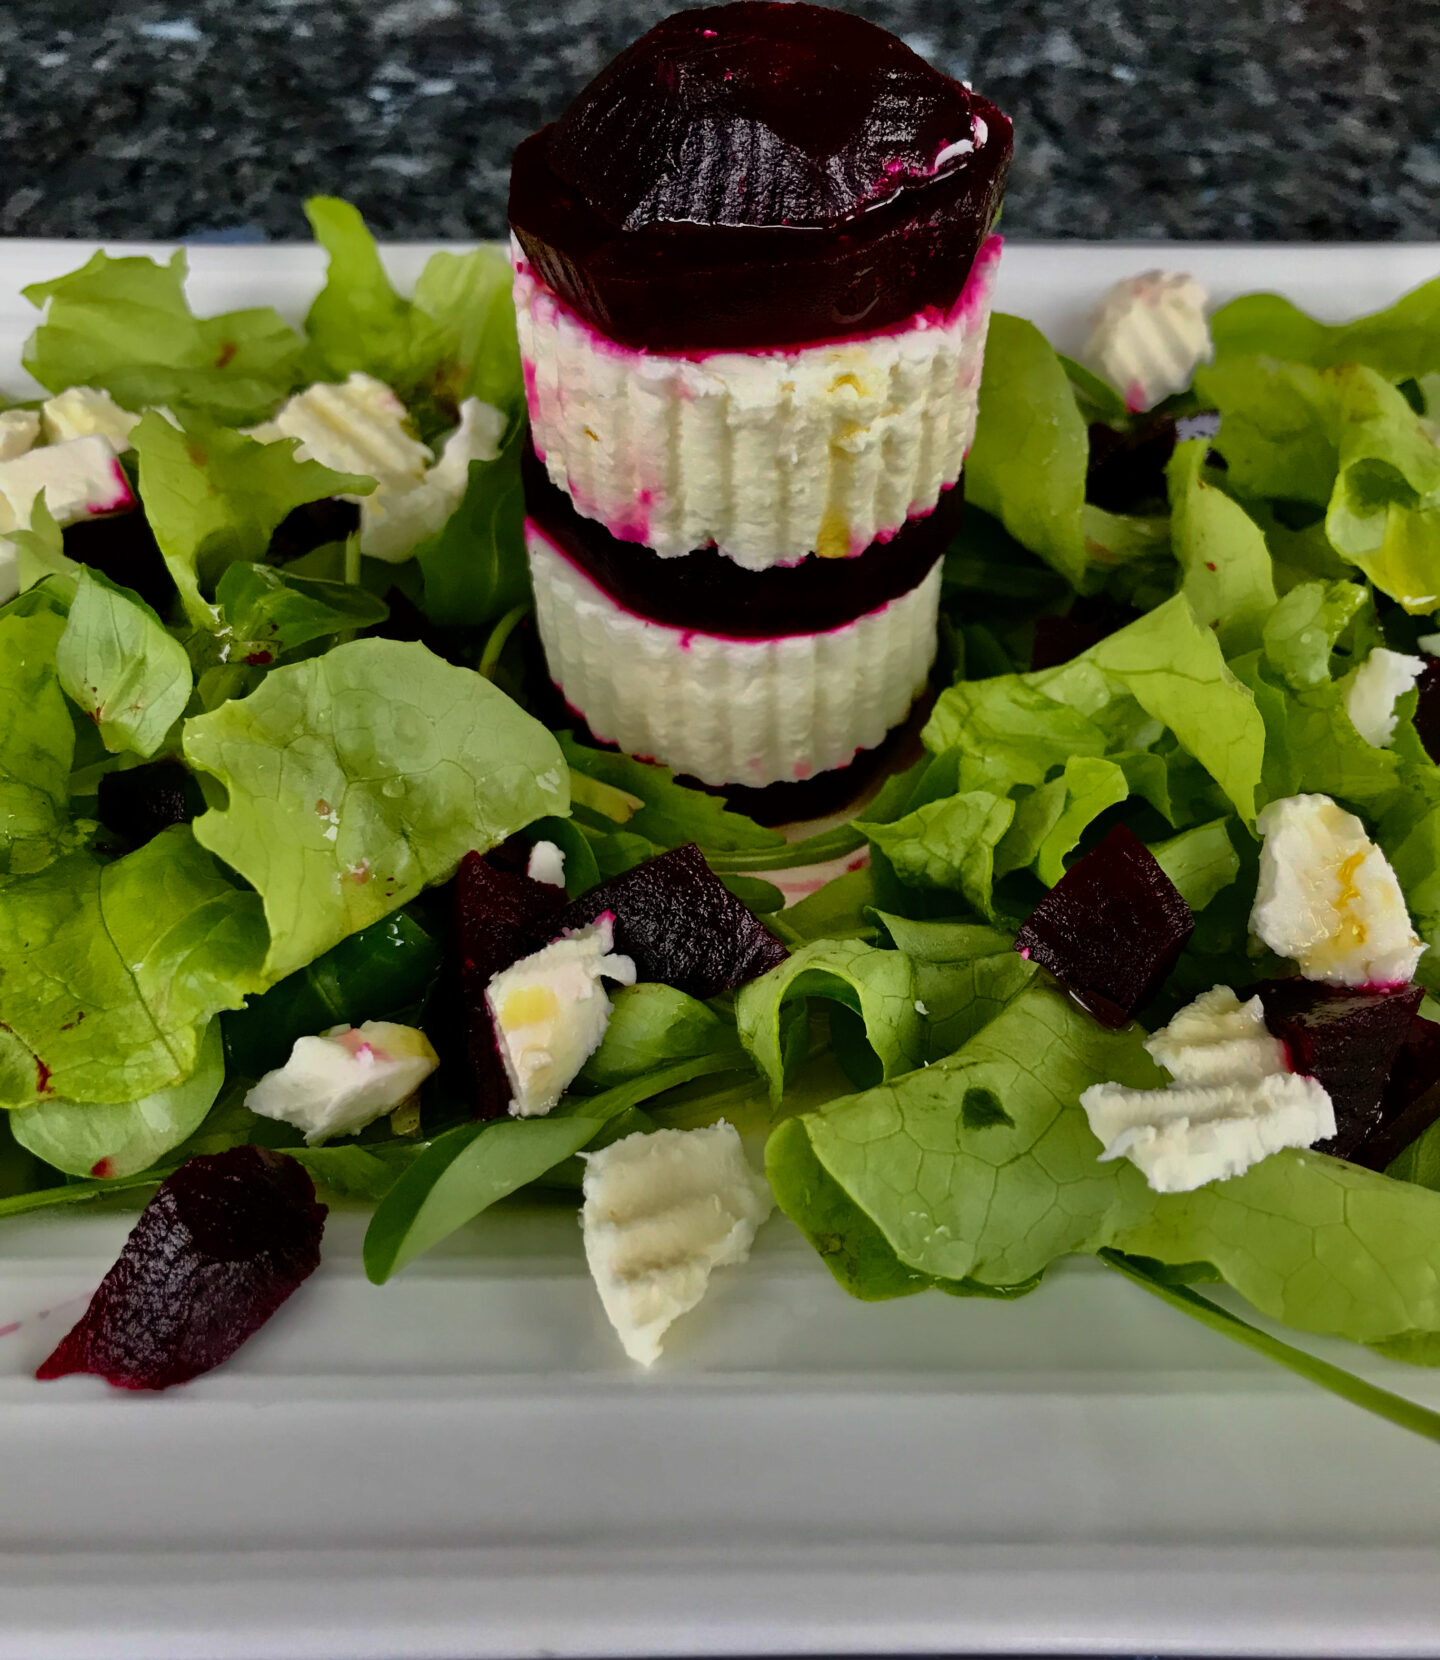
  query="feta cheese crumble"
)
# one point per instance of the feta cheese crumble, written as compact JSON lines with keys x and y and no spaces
{"x":83,"y":412}
{"x":361,"y":426}
{"x":550,"y":1011}
{"x":80,"y":479}
{"x":1231,"y":1102}
{"x":344,"y":1079}
{"x":661,"y":1211}
{"x":19,"y":429}
{"x":1150,"y":334}
{"x":546,"y":864}
{"x":1328,"y":899}
{"x":1375,"y":688}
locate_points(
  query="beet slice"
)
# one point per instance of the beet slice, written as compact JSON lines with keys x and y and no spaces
{"x":1427,"y":711}
{"x":142,"y":801}
{"x":681,"y":924}
{"x":1411,"y":1103}
{"x":218,"y":1249}
{"x":311,"y":526}
{"x":501,"y":915}
{"x":122,"y":546}
{"x":1347,"y":1038}
{"x":1111,"y":929}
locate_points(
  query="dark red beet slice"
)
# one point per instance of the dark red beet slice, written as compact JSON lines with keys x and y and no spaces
{"x":1111,"y":928}
{"x":681,"y":924}
{"x":1411,"y":1102}
{"x":1128,"y":467}
{"x":1427,"y":711}
{"x":760,"y":174}
{"x":218,"y":1249}
{"x":1347,"y":1039}
{"x":500,"y":916}
{"x":311,"y":526}
{"x":141,"y":802}
{"x":1090,"y":619}
{"x":122,"y":546}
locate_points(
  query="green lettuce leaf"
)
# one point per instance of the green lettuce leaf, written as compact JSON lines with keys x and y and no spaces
{"x":1222,"y":551}
{"x":1301,"y":633}
{"x":269,"y":612}
{"x":1201,"y":862}
{"x":124,"y":325}
{"x":469,"y":296}
{"x":1012,"y":728}
{"x":1091,"y":786}
{"x":213,"y":496}
{"x":948,"y":844}
{"x":113,"y":972}
{"x":965,"y":974}
{"x":358,"y":778}
{"x":1277,"y":425}
{"x":1031,"y":450}
{"x":839,"y":911}
{"x":1402,"y":342}
{"x":474,"y":567}
{"x":650,"y":1026}
{"x":36,"y":752}
{"x":40,"y":549}
{"x":118,"y":1140}
{"x":118,"y":662}
{"x":876,"y":985}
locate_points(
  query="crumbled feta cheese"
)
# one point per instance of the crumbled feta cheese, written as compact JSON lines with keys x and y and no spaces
{"x":1429,"y":644}
{"x":1150,"y":334}
{"x":1375,"y":688}
{"x":1328,"y":899}
{"x":393,"y":523}
{"x":1218,"y":1039}
{"x":84,"y":411}
{"x":346,"y":1078}
{"x":81,"y":479}
{"x":547,"y":864}
{"x":550,"y":1012}
{"x":1182,"y":1137}
{"x":19,"y":429}
{"x":661,"y":1211}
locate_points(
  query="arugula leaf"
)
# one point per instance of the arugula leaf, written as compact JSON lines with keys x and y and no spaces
{"x":269,"y":612}
{"x":839,"y":910}
{"x":113,"y":972}
{"x":118,"y":1140}
{"x":36,"y":753}
{"x":125,"y":326}
{"x":948,"y":844}
{"x":650,"y":1026}
{"x":878,"y":986}
{"x":1402,"y":342}
{"x":1222,"y":551}
{"x":117,"y":661}
{"x":466,"y":1170}
{"x":1301,"y":633}
{"x":213,"y":496}
{"x":475,"y":567}
{"x":1027,"y":465}
{"x":357,"y":778}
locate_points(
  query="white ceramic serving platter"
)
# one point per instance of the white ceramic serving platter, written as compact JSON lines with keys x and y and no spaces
{"x":462,"y":1464}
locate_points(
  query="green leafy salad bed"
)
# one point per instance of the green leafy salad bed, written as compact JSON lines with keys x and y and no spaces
{"x":346,"y":729}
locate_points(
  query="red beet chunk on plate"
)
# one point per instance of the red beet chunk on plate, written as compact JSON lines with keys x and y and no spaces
{"x":500,"y":916}
{"x":681,"y":924}
{"x":1348,"y":1039}
{"x":218,"y":1249}
{"x":1427,"y":711}
{"x":1111,"y":929}
{"x":1411,"y":1103}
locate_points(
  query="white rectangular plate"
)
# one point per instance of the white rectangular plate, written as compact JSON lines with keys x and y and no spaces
{"x":463,"y":1464}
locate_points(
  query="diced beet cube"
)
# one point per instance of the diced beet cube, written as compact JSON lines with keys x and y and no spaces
{"x":500,"y":916}
{"x":1347,"y":1038}
{"x":311,"y":526}
{"x":218,"y":1249}
{"x":1411,"y":1103}
{"x":1127,"y":467}
{"x":141,"y":802}
{"x":1111,"y":929}
{"x":1427,"y":711}
{"x":122,"y":546}
{"x":681,"y":924}
{"x":1088,"y":621}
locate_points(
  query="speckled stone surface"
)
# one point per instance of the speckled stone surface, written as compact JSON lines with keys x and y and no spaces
{"x":1245,"y":119}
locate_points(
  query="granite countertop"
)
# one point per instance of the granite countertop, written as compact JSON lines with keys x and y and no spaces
{"x":1244,"y":119}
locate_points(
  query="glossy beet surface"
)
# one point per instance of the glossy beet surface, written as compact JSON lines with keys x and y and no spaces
{"x":760,"y":174}
{"x":217,"y":1250}
{"x":140,"y":802}
{"x":712,"y":594}
{"x":681,"y":924}
{"x":500,"y":916}
{"x":1347,"y":1039}
{"x":1427,"y":711}
{"x":1411,"y":1103}
{"x":123,"y":547}
{"x":1111,"y":929}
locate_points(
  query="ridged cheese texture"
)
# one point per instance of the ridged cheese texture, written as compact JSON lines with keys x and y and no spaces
{"x":337,"y":1083}
{"x":1231,"y":1102}
{"x":1375,"y":688}
{"x":661,"y":1212}
{"x":1150,"y":335}
{"x":769,"y":455}
{"x":84,"y":410}
{"x":19,"y":431}
{"x":360,"y":426}
{"x":727,"y":711}
{"x":1328,"y":899}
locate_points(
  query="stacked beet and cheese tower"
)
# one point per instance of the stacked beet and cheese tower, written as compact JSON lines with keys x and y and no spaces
{"x":752,"y":274}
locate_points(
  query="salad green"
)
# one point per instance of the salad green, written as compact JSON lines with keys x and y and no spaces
{"x":358,"y":728}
